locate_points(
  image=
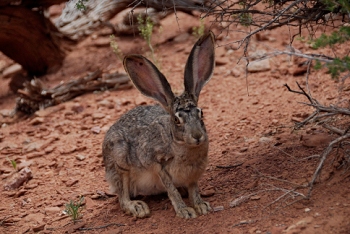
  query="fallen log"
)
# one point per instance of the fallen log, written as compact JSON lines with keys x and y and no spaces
{"x":35,"y":96}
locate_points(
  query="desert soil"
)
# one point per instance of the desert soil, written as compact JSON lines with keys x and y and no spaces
{"x":257,"y":167}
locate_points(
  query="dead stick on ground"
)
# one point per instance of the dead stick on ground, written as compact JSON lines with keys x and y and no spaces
{"x":101,"y":227}
{"x":323,"y":158}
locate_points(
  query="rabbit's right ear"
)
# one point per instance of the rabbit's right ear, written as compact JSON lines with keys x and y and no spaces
{"x":148,"y":79}
{"x":200,"y":64}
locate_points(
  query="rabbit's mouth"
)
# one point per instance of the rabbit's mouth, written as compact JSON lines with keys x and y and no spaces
{"x":196,"y":140}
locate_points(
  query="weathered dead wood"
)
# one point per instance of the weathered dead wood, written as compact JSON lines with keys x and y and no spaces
{"x":35,"y":96}
{"x":76,"y":24}
{"x":30,"y":39}
{"x":31,"y":3}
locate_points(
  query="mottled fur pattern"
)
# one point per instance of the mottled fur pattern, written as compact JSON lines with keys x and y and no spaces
{"x":154,"y":149}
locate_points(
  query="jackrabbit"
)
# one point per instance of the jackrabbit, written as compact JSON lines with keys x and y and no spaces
{"x":155,"y":149}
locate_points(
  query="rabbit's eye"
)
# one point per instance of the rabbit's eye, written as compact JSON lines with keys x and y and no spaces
{"x":178,"y":119}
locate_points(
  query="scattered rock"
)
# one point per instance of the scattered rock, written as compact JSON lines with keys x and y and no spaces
{"x":39,"y":228}
{"x":51,"y":210}
{"x":80,"y":157}
{"x":106,"y":103}
{"x":37,"y":120}
{"x":298,"y":226}
{"x":89,"y":203}
{"x":35,"y":218}
{"x":18,"y":179}
{"x":255,"y":198}
{"x":218,"y":208}
{"x":208,"y":192}
{"x":96,"y":129}
{"x":265,"y":139}
{"x":77,"y":108}
{"x":6,"y":112}
{"x":299,"y":71}
{"x":235,"y":72}
{"x":70,"y":183}
{"x":97,"y":115}
{"x":21,"y":193}
{"x":222,"y":61}
{"x":11,"y":70}
{"x":102,"y":42}
{"x":259,"y":66}
{"x":182,"y":37}
{"x":243,"y":149}
{"x":320,"y":139}
{"x":307,"y":210}
{"x":68,"y":149}
{"x":49,"y":110}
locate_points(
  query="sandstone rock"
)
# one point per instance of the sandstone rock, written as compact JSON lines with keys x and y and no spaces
{"x":259,"y":66}
{"x":52,"y":210}
{"x":182,"y":37}
{"x":37,"y":120}
{"x":222,"y":61}
{"x":18,"y":179}
{"x":11,"y":70}
{"x":96,"y":129}
{"x":97,"y":115}
{"x":320,"y":139}
{"x":80,"y":157}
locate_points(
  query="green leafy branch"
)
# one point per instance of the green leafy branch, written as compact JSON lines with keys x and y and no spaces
{"x":340,"y":36}
{"x":337,"y":65}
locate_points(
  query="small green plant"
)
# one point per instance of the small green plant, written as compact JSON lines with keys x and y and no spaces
{"x":81,"y":5}
{"x":74,"y":208}
{"x":146,"y":29}
{"x":115,"y":48}
{"x":199,"y":31}
{"x":13,"y":163}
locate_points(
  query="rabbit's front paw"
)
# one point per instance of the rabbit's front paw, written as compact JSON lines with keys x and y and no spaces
{"x":202,"y":207}
{"x":138,"y":209}
{"x":186,"y":213}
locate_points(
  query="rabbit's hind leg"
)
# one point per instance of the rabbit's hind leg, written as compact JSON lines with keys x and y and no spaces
{"x":136,"y":208}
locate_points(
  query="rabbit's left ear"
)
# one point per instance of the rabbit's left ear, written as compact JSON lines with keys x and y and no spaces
{"x":148,"y":79}
{"x":200,"y":64}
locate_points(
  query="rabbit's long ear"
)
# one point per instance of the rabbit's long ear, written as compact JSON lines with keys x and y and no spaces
{"x":200,"y":64}
{"x":148,"y":79}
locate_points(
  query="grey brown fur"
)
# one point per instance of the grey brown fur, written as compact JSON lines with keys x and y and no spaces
{"x":154,"y":149}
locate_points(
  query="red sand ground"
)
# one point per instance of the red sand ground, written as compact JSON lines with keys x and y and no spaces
{"x":254,"y":151}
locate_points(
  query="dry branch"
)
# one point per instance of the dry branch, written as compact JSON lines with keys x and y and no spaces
{"x":329,"y":111}
{"x":35,"y":96}
{"x":260,"y":15}
{"x":324,"y":155}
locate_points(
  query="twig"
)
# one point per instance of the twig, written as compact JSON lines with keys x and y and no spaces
{"x":334,"y":129}
{"x":311,"y":156}
{"x":229,"y":166}
{"x":101,"y":227}
{"x":285,"y":152}
{"x":323,"y":158}
{"x":244,"y":222}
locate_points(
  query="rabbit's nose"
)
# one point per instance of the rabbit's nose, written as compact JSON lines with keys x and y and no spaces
{"x":197,"y":135}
